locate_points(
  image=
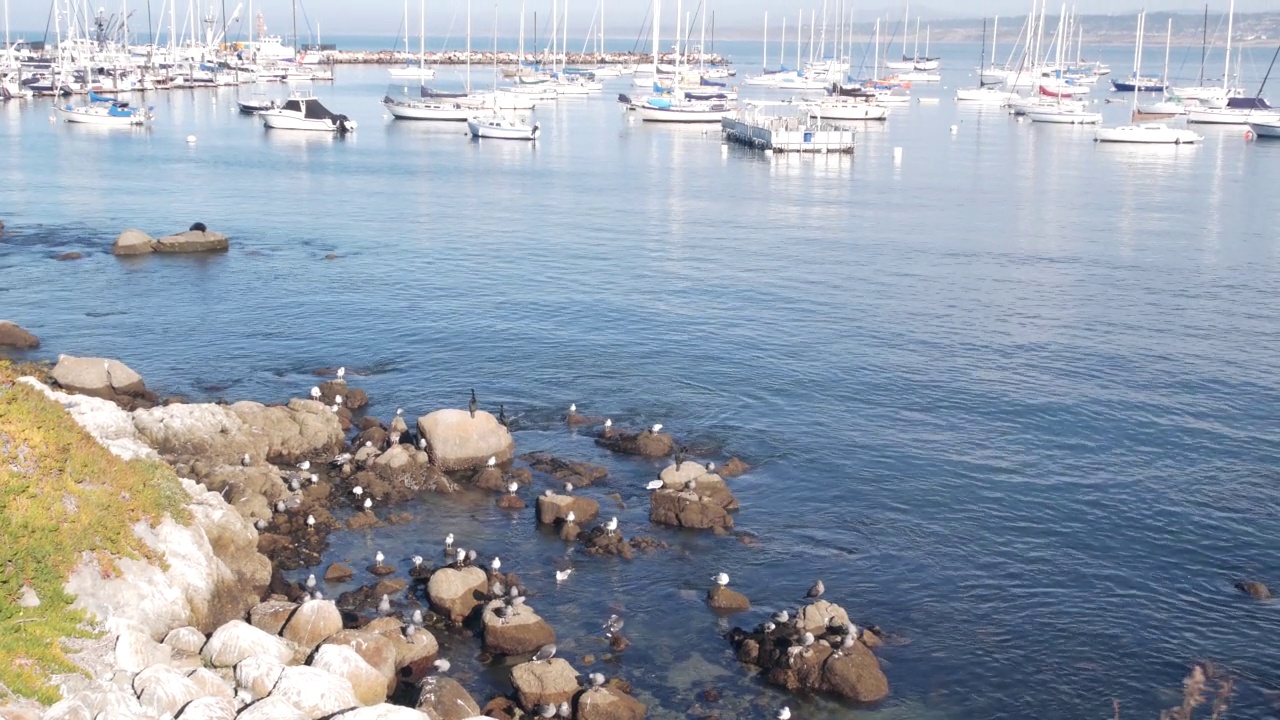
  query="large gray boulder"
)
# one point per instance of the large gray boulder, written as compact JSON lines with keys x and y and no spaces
{"x":224,"y":434}
{"x":133,"y":242}
{"x":453,"y":592}
{"x":315,"y":692}
{"x":238,"y":640}
{"x":14,"y":336}
{"x":368,"y":684}
{"x":457,"y":441}
{"x":521,"y":633}
{"x":548,"y":682}
{"x":443,"y":698}
{"x":98,"y":377}
{"x":192,"y":241}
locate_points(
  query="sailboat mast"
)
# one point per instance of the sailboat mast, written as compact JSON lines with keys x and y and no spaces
{"x":468,"y":47}
{"x":520,"y":47}
{"x":702,"y":44}
{"x":875,"y":68}
{"x":906,"y":18}
{"x":782,"y":45}
{"x":799,"y":37}
{"x":1168,"y":39}
{"x":1204,"y":44}
{"x":657,"y":9}
{"x":995,"y":31}
{"x":601,"y":30}
{"x":422,"y":38}
{"x":6,"y":27}
{"x":915,"y":47}
{"x":764,"y":53}
{"x":564,"y":45}
{"x":813,"y":20}
{"x":1226,"y":70}
{"x":295,"y":31}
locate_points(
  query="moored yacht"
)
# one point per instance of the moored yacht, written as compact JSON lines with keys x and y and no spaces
{"x":302,"y":111}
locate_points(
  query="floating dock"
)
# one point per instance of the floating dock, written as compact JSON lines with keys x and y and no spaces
{"x":766,"y":128}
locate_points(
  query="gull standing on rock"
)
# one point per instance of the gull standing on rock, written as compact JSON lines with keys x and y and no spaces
{"x":565,"y":710}
{"x":502,"y":415}
{"x":417,"y":617}
{"x":657,"y":428}
{"x":608,"y":423}
{"x":545,"y":653}
{"x":568,"y":488}
{"x":368,"y":504}
{"x":816,"y":591}
{"x":441,"y":665}
{"x":570,"y":518}
{"x":357,"y":491}
{"x":378,"y":558}
{"x":496,"y":564}
{"x":493,"y":460}
{"x":384,"y":605}
{"x":612,"y":526}
{"x":471,"y":406}
{"x":597,"y":679}
{"x":448,"y":542}
{"x":512,"y":487}
{"x":311,"y":581}
{"x":461,"y":557}
{"x":721,"y":579}
{"x":305,"y":465}
{"x":245,"y":460}
{"x":342,"y":373}
{"x":314,"y":478}
{"x":315,"y":393}
{"x":417,"y":561}
{"x":311,"y":521}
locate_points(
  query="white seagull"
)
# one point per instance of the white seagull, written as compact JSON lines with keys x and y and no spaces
{"x":562,"y":575}
{"x":337,"y":400}
{"x":657,"y":428}
{"x":496,"y":565}
{"x":342,"y":371}
{"x":357,"y":491}
{"x":378,"y":558}
{"x":311,"y":521}
{"x":570,"y":517}
{"x":311,"y":581}
{"x":417,"y":561}
{"x":305,"y":465}
{"x":608,"y":423}
{"x":315,"y":393}
{"x":721,"y":579}
{"x":368,"y":503}
{"x":493,"y":460}
{"x":448,"y":541}
{"x":611,"y":526}
{"x":512,"y":487}
{"x":784,"y":713}
{"x":573,"y":408}
{"x":384,"y":605}
{"x":655,"y":485}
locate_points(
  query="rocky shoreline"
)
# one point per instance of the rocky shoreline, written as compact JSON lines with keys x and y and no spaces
{"x":217,"y":632}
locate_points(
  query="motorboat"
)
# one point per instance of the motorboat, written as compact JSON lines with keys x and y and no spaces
{"x":104,"y":111}
{"x":304,"y":112}
{"x":256,"y":105}
{"x":501,"y":127}
{"x":1147,"y":133}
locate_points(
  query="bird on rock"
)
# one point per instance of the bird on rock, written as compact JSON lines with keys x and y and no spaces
{"x":784,"y":713}
{"x":711,"y":467}
{"x":573,"y":409}
{"x":568,"y":488}
{"x":417,"y":561}
{"x":417,"y":617}
{"x":342,"y":373}
{"x":545,"y":653}
{"x":781,"y":617}
{"x":613,"y":625}
{"x":460,"y":558}
{"x":597,"y":679}
{"x":493,"y":460}
{"x":504,"y":613}
{"x":502,"y":415}
{"x":816,"y":591}
{"x":399,"y":412}
{"x":471,"y":557}
{"x":357,"y":491}
{"x":410,"y":631}
{"x":721,"y":579}
{"x":314,"y":478}
{"x":337,"y":400}
{"x":565,"y":710}
{"x":570,"y":518}
{"x":311,"y":581}
{"x":806,"y":639}
{"x":654,"y":485}
{"x":441,"y":665}
{"x":384,"y":605}
{"x":512,"y":487}
{"x":304,"y":465}
{"x":311,"y":521}
{"x":471,"y":406}
{"x":368,"y":503}
{"x":612,"y":526}
{"x":315,"y":393}
{"x":245,"y":460}
{"x":495,"y":564}
{"x":378,"y":558}
{"x":608,"y":423}
{"x":448,"y":541}
{"x":657,"y":428}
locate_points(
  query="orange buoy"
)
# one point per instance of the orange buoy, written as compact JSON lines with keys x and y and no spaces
{"x":1248,"y":134}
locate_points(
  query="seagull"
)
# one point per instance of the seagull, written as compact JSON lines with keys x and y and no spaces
{"x":496,"y":564}
{"x":341,"y":459}
{"x":357,"y":491}
{"x":721,"y":579}
{"x":417,"y":617}
{"x":654,"y":485}
{"x":611,"y":526}
{"x":399,"y":412}
{"x":305,"y":465}
{"x":546,"y":711}
{"x":368,"y":503}
{"x":512,"y":487}
{"x":377,"y":559}
{"x":311,"y":521}
{"x":441,"y":665}
{"x":504,"y":613}
{"x":417,"y":561}
{"x":565,"y":710}
{"x":613,"y":625}
{"x":711,"y":467}
{"x":448,"y":541}
{"x":311,"y":581}
{"x":280,"y":507}
{"x":784,"y":713}
{"x":570,"y":518}
{"x":384,"y":605}
{"x":657,"y":428}
{"x":548,"y":492}
{"x":245,"y":460}
{"x":342,"y":372}
{"x":568,"y":488}
{"x":597,"y":679}
{"x":461,"y":557}
{"x":471,"y":557}
{"x":333,"y":408}
{"x":317,"y":596}
{"x":545,"y":653}
{"x":260,"y":524}
{"x":422,"y":443}
{"x":471,"y":406}
{"x":314,"y":478}
{"x":562,"y":575}
{"x":337,"y":400}
{"x":781,"y":617}
{"x":315,"y":393}
{"x":573,"y":408}
{"x":846,"y":645}
{"x":806,"y":639}
{"x":493,"y":460}
{"x":496,"y":590}
{"x":816,"y":591}
{"x":768,"y":626}
{"x":410,"y":631}
{"x":608,"y":423}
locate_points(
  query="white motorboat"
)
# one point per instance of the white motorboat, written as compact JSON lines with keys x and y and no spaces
{"x":104,"y":111}
{"x":1064,"y":116}
{"x":1238,"y":111}
{"x":845,"y":108}
{"x":1147,"y":133}
{"x":1265,"y":129}
{"x":501,"y":127}
{"x":304,"y":112}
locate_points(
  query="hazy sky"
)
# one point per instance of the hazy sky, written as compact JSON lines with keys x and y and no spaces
{"x":623,"y":17}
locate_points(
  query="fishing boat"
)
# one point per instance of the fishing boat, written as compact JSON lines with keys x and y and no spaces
{"x":501,"y":127}
{"x":303,"y":111}
{"x":104,"y":111}
{"x":1147,"y":133}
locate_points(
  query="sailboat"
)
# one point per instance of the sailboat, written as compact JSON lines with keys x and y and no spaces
{"x":1149,"y":133}
{"x":1062,"y":113}
{"x":1169,"y":105}
{"x":419,"y":69}
{"x":104,"y":111}
{"x":495,"y":124}
{"x":1135,"y":82}
{"x":1211,"y":94}
{"x":1236,"y":110}
{"x":983,"y":94}
{"x":677,"y":108}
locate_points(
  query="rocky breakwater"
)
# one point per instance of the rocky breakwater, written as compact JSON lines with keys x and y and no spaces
{"x":198,"y":239}
{"x":815,"y":649}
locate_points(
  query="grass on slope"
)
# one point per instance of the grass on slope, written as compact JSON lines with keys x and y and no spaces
{"x":61,"y":493}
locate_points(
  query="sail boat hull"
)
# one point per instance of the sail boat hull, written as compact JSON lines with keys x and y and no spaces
{"x":412,"y":72}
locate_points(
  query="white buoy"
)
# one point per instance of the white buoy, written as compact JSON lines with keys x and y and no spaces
{"x":955,"y":129}
{"x":191,"y":139}
{"x":897,"y":156}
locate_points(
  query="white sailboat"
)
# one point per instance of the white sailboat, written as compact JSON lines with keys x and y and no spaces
{"x":677,"y":108}
{"x":420,"y":69}
{"x":495,"y":124}
{"x":1060,"y":113}
{"x":1236,"y":110}
{"x":983,"y":94}
{"x":1147,"y":134}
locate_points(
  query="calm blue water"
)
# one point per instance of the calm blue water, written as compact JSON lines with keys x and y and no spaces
{"x":1014,"y":399}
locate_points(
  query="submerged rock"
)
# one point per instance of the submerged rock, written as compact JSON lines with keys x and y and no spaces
{"x":458,"y":441}
{"x":579,"y":474}
{"x":14,"y":336}
{"x":688,"y":509}
{"x":1254,"y":589}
